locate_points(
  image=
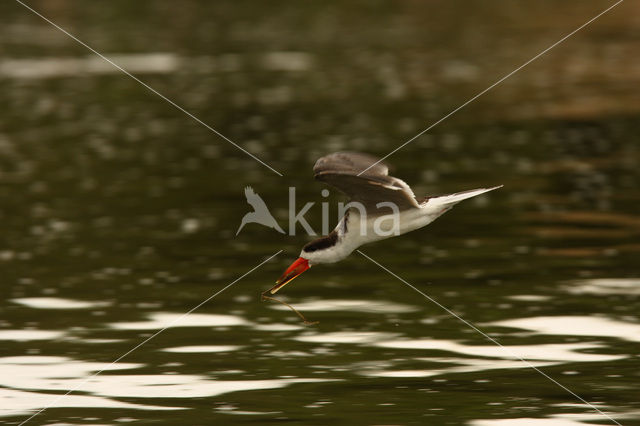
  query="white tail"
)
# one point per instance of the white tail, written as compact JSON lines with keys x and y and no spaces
{"x":459,"y":196}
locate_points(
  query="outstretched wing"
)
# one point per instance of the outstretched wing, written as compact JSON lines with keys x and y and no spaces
{"x":342,"y":171}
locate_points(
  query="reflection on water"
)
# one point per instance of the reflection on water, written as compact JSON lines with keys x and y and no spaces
{"x":148,"y":63}
{"x":49,"y":374}
{"x":463,"y":365}
{"x":165,"y":319}
{"x":345,"y":337}
{"x":552,"y":421}
{"x":30,"y":381}
{"x":576,"y":326}
{"x":368,"y":306}
{"x":26,"y":335}
{"x":604,"y":286}
{"x":57,"y":303}
{"x":65,"y":67}
{"x":22,"y":376}
{"x":201,"y":349}
{"x":20,"y":403}
{"x":552,"y":352}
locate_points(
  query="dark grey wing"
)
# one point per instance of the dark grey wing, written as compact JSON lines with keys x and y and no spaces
{"x":352,"y":162}
{"x":341,"y":170}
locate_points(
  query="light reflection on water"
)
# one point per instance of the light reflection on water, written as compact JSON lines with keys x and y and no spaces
{"x":27,"y":335}
{"x":21,"y":403}
{"x":30,"y":380}
{"x":576,"y":326}
{"x":148,"y":63}
{"x":47,"y":374}
{"x":160,"y":320}
{"x":201,"y":349}
{"x":552,"y":421}
{"x":552,"y":352}
{"x":605,"y":286}
{"x":345,"y":337}
{"x":57,"y":303}
{"x":368,"y":306}
{"x":463,"y":365}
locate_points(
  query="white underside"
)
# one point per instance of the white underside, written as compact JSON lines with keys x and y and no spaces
{"x":362,"y":229}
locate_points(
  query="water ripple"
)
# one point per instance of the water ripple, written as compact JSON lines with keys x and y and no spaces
{"x":54,"y":373}
{"x":57,"y":303}
{"x":605,"y":286}
{"x":27,"y":335}
{"x":201,"y":349}
{"x":576,"y":326}
{"x":550,"y":352}
{"x":367,"y":306}
{"x":160,"y":320}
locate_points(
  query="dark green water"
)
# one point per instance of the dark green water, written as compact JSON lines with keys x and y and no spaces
{"x":119,"y":213}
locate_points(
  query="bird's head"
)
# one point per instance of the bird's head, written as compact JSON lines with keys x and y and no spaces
{"x":294,"y":270}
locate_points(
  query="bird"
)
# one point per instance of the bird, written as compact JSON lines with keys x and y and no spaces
{"x":260,"y":213}
{"x":373,"y":193}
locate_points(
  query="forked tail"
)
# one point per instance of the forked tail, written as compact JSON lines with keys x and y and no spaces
{"x":459,"y":196}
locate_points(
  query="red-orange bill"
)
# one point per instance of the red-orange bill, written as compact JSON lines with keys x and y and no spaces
{"x":296,"y":268}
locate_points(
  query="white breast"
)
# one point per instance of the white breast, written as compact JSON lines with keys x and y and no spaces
{"x":355,"y":230}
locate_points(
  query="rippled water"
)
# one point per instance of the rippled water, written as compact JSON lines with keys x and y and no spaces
{"x":119,"y":214}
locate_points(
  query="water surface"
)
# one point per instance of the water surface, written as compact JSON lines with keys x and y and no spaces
{"x":119,"y":214}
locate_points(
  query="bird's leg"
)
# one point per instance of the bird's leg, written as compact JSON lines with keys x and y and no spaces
{"x":307,"y":322}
